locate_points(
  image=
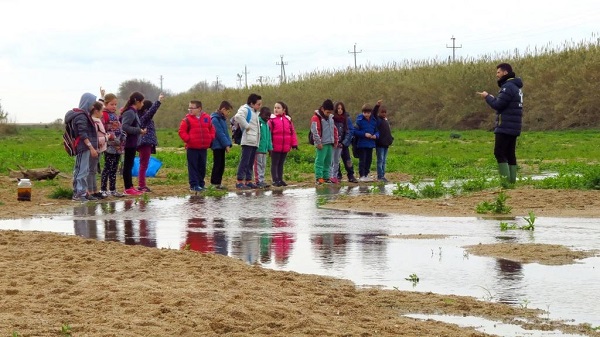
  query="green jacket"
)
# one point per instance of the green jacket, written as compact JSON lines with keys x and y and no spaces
{"x":265,"y":144}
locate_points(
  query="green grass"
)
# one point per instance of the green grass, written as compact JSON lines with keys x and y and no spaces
{"x":422,"y":154}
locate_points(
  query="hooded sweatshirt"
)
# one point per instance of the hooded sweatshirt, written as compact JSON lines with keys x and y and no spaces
{"x":83,"y":125}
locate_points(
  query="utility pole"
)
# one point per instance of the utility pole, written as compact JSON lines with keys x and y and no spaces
{"x":354,"y":52}
{"x":239,"y":80}
{"x":282,"y":78}
{"x":454,"y":47}
{"x":246,"y":76}
{"x":217,"y":86}
{"x":161,"y":80}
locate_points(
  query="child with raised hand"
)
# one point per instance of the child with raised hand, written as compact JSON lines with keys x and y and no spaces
{"x":265,"y":146}
{"x":114,"y":149}
{"x":384,"y":140}
{"x":148,"y":142}
{"x":221,"y":144}
{"x":366,"y":131}
{"x":283,"y":136}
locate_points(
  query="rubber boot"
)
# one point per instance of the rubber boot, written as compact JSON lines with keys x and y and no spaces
{"x":512,"y":171}
{"x":504,"y":174}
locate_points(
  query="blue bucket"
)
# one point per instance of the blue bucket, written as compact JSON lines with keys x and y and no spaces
{"x":153,"y":167}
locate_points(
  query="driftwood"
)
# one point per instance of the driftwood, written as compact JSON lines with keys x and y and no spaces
{"x":35,"y":174}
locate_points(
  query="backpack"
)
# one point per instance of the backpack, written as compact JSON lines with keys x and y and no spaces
{"x":69,"y":140}
{"x":311,"y":139}
{"x":236,"y":130}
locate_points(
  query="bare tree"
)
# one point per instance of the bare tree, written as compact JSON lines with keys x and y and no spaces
{"x":149,"y":90}
{"x":3,"y":115}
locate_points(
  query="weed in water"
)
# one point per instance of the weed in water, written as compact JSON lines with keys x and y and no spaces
{"x":488,"y":294}
{"x":375,"y":188}
{"x":524,"y":303}
{"x":404,"y":190}
{"x":61,"y":193}
{"x":436,"y":190}
{"x":413,"y":278}
{"x":504,"y":226}
{"x":530,"y":222}
{"x":321,"y":201}
{"x":211,"y":191}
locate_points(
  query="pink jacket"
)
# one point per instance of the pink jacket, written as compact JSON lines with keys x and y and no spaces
{"x":283,"y":134}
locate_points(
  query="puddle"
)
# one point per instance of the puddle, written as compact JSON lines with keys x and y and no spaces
{"x":285,"y":230}
{"x":491,"y":327}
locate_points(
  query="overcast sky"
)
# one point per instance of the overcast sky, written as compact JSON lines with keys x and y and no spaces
{"x":53,"y":51}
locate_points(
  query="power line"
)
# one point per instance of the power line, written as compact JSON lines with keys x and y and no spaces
{"x":354,"y":52}
{"x":161,"y":83}
{"x":282,"y":78}
{"x":454,"y":47}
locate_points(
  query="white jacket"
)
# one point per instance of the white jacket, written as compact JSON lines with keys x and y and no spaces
{"x":251,"y":135}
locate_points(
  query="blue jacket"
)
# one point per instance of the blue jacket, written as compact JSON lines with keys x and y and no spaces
{"x":222,"y":138}
{"x":362,"y":127}
{"x":508,"y":106}
{"x":147,"y":122}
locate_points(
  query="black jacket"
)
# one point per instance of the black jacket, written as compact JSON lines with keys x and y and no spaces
{"x":508,"y":106}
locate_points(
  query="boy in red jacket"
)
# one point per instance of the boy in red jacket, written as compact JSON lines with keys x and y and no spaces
{"x":197,"y":132}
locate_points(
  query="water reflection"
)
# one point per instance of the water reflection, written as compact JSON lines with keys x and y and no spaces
{"x":330,"y":248}
{"x":510,"y":274}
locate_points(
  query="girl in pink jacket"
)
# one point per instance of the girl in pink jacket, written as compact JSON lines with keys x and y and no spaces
{"x":283,"y":136}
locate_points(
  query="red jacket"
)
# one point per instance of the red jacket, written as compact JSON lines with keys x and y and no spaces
{"x":283,"y":134}
{"x":197,"y":133}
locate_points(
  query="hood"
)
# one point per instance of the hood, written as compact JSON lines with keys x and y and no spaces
{"x":217,"y":114}
{"x":86,"y":102}
{"x":517,"y":81}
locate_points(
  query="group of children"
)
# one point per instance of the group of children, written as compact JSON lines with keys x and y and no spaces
{"x":98,"y":129}
{"x":333,"y":133}
{"x":264,"y":133}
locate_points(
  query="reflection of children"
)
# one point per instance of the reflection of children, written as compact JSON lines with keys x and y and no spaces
{"x":221,"y":144}
{"x":115,"y":145}
{"x":384,"y":140}
{"x":92,"y":186}
{"x":197,"y":132}
{"x":148,"y":142}
{"x":283,"y":136}
{"x":265,"y":145}
{"x":325,"y":138}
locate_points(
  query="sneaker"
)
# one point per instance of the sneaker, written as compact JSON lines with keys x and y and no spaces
{"x":196,"y":189}
{"x":90,"y":197}
{"x":334,"y":180}
{"x":328,"y":181}
{"x":132,"y":191}
{"x":262,"y":184}
{"x":98,"y":195}
{"x":320,"y":181}
{"x":81,"y":198}
{"x":277,"y":184}
{"x":352,"y":180}
{"x":251,"y":185}
{"x":105,"y":194}
{"x":144,"y":189}
{"x":382,"y":180}
{"x":282,"y":183}
{"x":116,"y":194}
{"x":219,"y":187}
{"x":241,"y":186}
{"x":363,"y":179}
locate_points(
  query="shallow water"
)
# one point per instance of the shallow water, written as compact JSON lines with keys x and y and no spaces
{"x":285,"y":230}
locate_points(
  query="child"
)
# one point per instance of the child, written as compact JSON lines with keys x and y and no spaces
{"x":92,"y":186}
{"x":265,"y":145}
{"x":197,"y":132}
{"x":221,"y":144}
{"x":384,"y":140}
{"x":115,"y":147}
{"x":343,"y":123}
{"x":366,"y":131}
{"x":284,"y":139}
{"x":325,"y":138}
{"x":148,"y":142}
{"x":247,"y":119}
{"x":133,"y":129}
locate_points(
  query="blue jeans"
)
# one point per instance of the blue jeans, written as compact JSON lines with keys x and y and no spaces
{"x":381,"y":160}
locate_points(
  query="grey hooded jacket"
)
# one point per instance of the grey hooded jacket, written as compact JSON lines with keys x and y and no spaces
{"x":83,"y":125}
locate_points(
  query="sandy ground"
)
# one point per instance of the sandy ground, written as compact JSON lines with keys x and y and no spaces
{"x":91,"y":288}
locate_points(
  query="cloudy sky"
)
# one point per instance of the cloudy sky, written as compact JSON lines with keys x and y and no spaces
{"x":53,"y":51}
